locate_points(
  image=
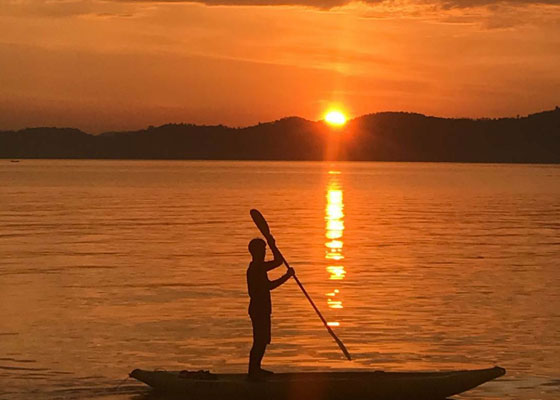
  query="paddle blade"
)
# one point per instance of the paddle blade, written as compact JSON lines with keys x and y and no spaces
{"x":342,"y":347}
{"x":261,"y":223}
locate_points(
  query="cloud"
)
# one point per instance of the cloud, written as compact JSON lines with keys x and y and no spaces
{"x":478,"y":3}
{"x":329,"y":4}
{"x":322,"y":4}
{"x":125,"y":8}
{"x":64,"y":8}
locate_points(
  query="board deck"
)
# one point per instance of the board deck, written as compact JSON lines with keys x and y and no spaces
{"x":375,"y":385}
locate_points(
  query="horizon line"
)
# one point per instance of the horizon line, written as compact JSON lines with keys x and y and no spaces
{"x":349,"y":121}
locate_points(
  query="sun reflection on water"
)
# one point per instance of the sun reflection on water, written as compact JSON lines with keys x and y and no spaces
{"x":334,"y":232}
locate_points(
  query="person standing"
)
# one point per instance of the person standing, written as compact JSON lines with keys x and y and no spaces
{"x":260,"y":305}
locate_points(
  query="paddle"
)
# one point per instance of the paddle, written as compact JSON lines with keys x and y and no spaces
{"x":261,"y":223}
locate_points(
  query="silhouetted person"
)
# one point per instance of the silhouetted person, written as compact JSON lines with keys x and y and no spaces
{"x":260,"y":306}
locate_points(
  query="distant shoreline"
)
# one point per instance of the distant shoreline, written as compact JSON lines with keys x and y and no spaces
{"x":391,"y":136}
{"x":281,"y":161}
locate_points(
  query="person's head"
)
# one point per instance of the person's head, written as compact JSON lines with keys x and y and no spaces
{"x":257,"y":248}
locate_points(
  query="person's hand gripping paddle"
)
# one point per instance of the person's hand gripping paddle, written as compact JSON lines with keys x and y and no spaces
{"x":261,"y":223}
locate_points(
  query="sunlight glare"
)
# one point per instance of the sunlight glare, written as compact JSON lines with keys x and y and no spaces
{"x":335,"y":117}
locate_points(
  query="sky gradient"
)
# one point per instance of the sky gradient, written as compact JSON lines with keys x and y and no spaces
{"x":112,"y":65}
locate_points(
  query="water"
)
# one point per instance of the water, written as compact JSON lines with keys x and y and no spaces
{"x":112,"y":265}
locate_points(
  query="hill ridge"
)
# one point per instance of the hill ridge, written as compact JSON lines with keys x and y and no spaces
{"x":383,"y":136}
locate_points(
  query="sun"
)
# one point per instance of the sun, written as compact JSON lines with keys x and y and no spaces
{"x":335,"y":118}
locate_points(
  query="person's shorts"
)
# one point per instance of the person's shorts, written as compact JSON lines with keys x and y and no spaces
{"x":261,"y":327}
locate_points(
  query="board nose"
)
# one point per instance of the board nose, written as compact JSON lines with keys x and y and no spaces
{"x":500,"y":371}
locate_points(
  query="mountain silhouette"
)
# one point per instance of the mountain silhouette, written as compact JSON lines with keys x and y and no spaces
{"x":387,"y":136}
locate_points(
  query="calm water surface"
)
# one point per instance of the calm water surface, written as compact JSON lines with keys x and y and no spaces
{"x":111,"y":265}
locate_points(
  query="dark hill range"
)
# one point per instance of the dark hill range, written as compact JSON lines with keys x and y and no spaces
{"x":389,"y":136}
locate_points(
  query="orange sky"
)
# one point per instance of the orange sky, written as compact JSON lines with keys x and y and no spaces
{"x":101,"y":65}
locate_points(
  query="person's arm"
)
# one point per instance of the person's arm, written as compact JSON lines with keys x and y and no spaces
{"x":277,"y":282}
{"x":278,"y":260}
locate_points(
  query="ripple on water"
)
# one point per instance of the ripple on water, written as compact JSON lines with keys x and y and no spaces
{"x":108,"y":266}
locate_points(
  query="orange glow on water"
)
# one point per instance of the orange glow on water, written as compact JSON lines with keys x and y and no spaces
{"x":334,"y":198}
{"x":334,"y":244}
{"x":334,"y":232}
{"x":335,"y":303}
{"x":336,"y":272}
{"x":335,"y":225}
{"x":334,"y":256}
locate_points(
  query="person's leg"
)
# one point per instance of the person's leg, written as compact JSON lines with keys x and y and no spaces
{"x":266,"y":336}
{"x":256,"y":356}
{"x":259,"y":344}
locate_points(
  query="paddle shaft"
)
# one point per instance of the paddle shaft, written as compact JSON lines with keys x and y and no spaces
{"x":323,"y":320}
